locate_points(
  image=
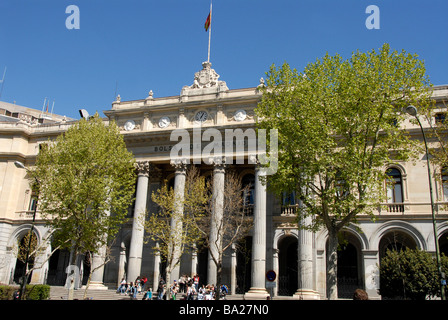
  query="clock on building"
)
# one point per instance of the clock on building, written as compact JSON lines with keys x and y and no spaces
{"x":129,"y":125}
{"x":201,"y":116}
{"x":164,"y":122}
{"x":240,"y":115}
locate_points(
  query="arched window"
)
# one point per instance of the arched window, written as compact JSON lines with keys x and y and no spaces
{"x":394,"y":190}
{"x":248,"y":196}
{"x":289,"y":202}
{"x":445,"y":183}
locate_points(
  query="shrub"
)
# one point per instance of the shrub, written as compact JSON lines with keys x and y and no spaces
{"x":32,"y":292}
{"x":409,"y":274}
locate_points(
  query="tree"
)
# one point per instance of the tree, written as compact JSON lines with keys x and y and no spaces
{"x":338,"y":126}
{"x":85,"y":185}
{"x":173,"y":227}
{"x":231,"y":227}
{"x":409,"y":274}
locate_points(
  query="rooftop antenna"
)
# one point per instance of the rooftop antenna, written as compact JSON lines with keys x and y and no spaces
{"x":3,"y":82}
{"x":52,"y":106}
{"x":43,"y":107}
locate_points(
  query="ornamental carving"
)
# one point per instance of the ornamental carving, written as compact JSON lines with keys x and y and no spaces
{"x":206,"y":78}
{"x":144,"y":168}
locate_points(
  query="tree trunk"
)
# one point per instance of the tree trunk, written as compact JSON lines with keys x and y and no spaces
{"x":72,"y":274}
{"x":332,"y":264}
{"x":218,"y":279}
{"x":167,"y":282}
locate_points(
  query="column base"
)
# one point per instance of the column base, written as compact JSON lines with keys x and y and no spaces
{"x":304,"y":294}
{"x":256,"y":294}
{"x":96,"y":286}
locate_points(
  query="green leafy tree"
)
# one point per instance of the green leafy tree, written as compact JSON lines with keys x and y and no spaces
{"x":410,"y":274}
{"x":85,"y":185}
{"x":338,"y":126}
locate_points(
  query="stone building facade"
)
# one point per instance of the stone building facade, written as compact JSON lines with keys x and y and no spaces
{"x":296,"y":256}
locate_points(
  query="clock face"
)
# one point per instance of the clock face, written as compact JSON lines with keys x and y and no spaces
{"x":240,"y":115}
{"x":129,"y":125}
{"x":201,"y":116}
{"x":164,"y":122}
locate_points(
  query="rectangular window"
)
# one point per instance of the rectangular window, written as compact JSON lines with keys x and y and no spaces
{"x":440,"y":117}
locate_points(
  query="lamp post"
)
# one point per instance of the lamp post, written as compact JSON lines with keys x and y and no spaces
{"x":411,"y":110}
{"x":20,"y":165}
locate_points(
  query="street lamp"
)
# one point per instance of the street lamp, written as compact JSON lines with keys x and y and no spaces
{"x":20,"y":165}
{"x":411,"y":110}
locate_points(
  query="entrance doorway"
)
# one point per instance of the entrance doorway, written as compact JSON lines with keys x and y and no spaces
{"x":288,"y":269}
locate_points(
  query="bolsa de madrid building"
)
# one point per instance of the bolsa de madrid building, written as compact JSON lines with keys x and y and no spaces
{"x":275,"y":244}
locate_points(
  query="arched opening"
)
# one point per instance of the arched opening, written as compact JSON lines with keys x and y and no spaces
{"x":202,"y":269}
{"x":443,"y":243}
{"x":349,"y":262}
{"x":26,"y":245}
{"x":395,"y":240}
{"x":249,"y":195}
{"x":57,"y":266}
{"x":288,"y":270}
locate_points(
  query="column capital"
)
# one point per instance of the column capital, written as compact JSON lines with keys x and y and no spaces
{"x":144,"y":168}
{"x":180,"y":164}
{"x":217,"y":161}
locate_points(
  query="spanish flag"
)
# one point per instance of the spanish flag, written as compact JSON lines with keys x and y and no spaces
{"x":207,"y":22}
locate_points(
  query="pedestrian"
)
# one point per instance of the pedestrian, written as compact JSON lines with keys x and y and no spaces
{"x":196,"y":281}
{"x":160,"y":289}
{"x":360,"y":294}
{"x":173,"y":290}
{"x":137,"y":284}
{"x":135,"y":291}
{"x":148,"y":294}
{"x":122,"y":288}
{"x":143,"y":282}
{"x":130,"y":289}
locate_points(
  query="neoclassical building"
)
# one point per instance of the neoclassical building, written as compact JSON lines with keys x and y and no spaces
{"x":152,"y":128}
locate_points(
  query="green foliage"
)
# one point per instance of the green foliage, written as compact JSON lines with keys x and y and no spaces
{"x":32,"y":292}
{"x":410,"y":274}
{"x":85,"y":184}
{"x":37,"y":292}
{"x":6,"y":292}
{"x":338,"y":125}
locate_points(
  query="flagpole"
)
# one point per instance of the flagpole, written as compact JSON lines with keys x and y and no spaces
{"x":209,"y":32}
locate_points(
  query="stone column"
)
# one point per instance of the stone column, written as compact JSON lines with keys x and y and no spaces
{"x":233,"y":265}
{"x":275,"y":267}
{"x":97,"y":261}
{"x":156,"y":274}
{"x":215,"y":240}
{"x":258,"y":288}
{"x":371,"y":273}
{"x":121,"y":263}
{"x":194,"y":261}
{"x":176,"y":224}
{"x":306,"y":270}
{"x":136,"y":246}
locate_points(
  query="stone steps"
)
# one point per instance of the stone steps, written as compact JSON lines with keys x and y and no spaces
{"x":61,"y":293}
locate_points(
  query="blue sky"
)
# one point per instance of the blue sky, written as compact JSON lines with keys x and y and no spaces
{"x":133,"y":46}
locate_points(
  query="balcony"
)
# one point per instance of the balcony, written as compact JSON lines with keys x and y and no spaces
{"x":289,"y":210}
